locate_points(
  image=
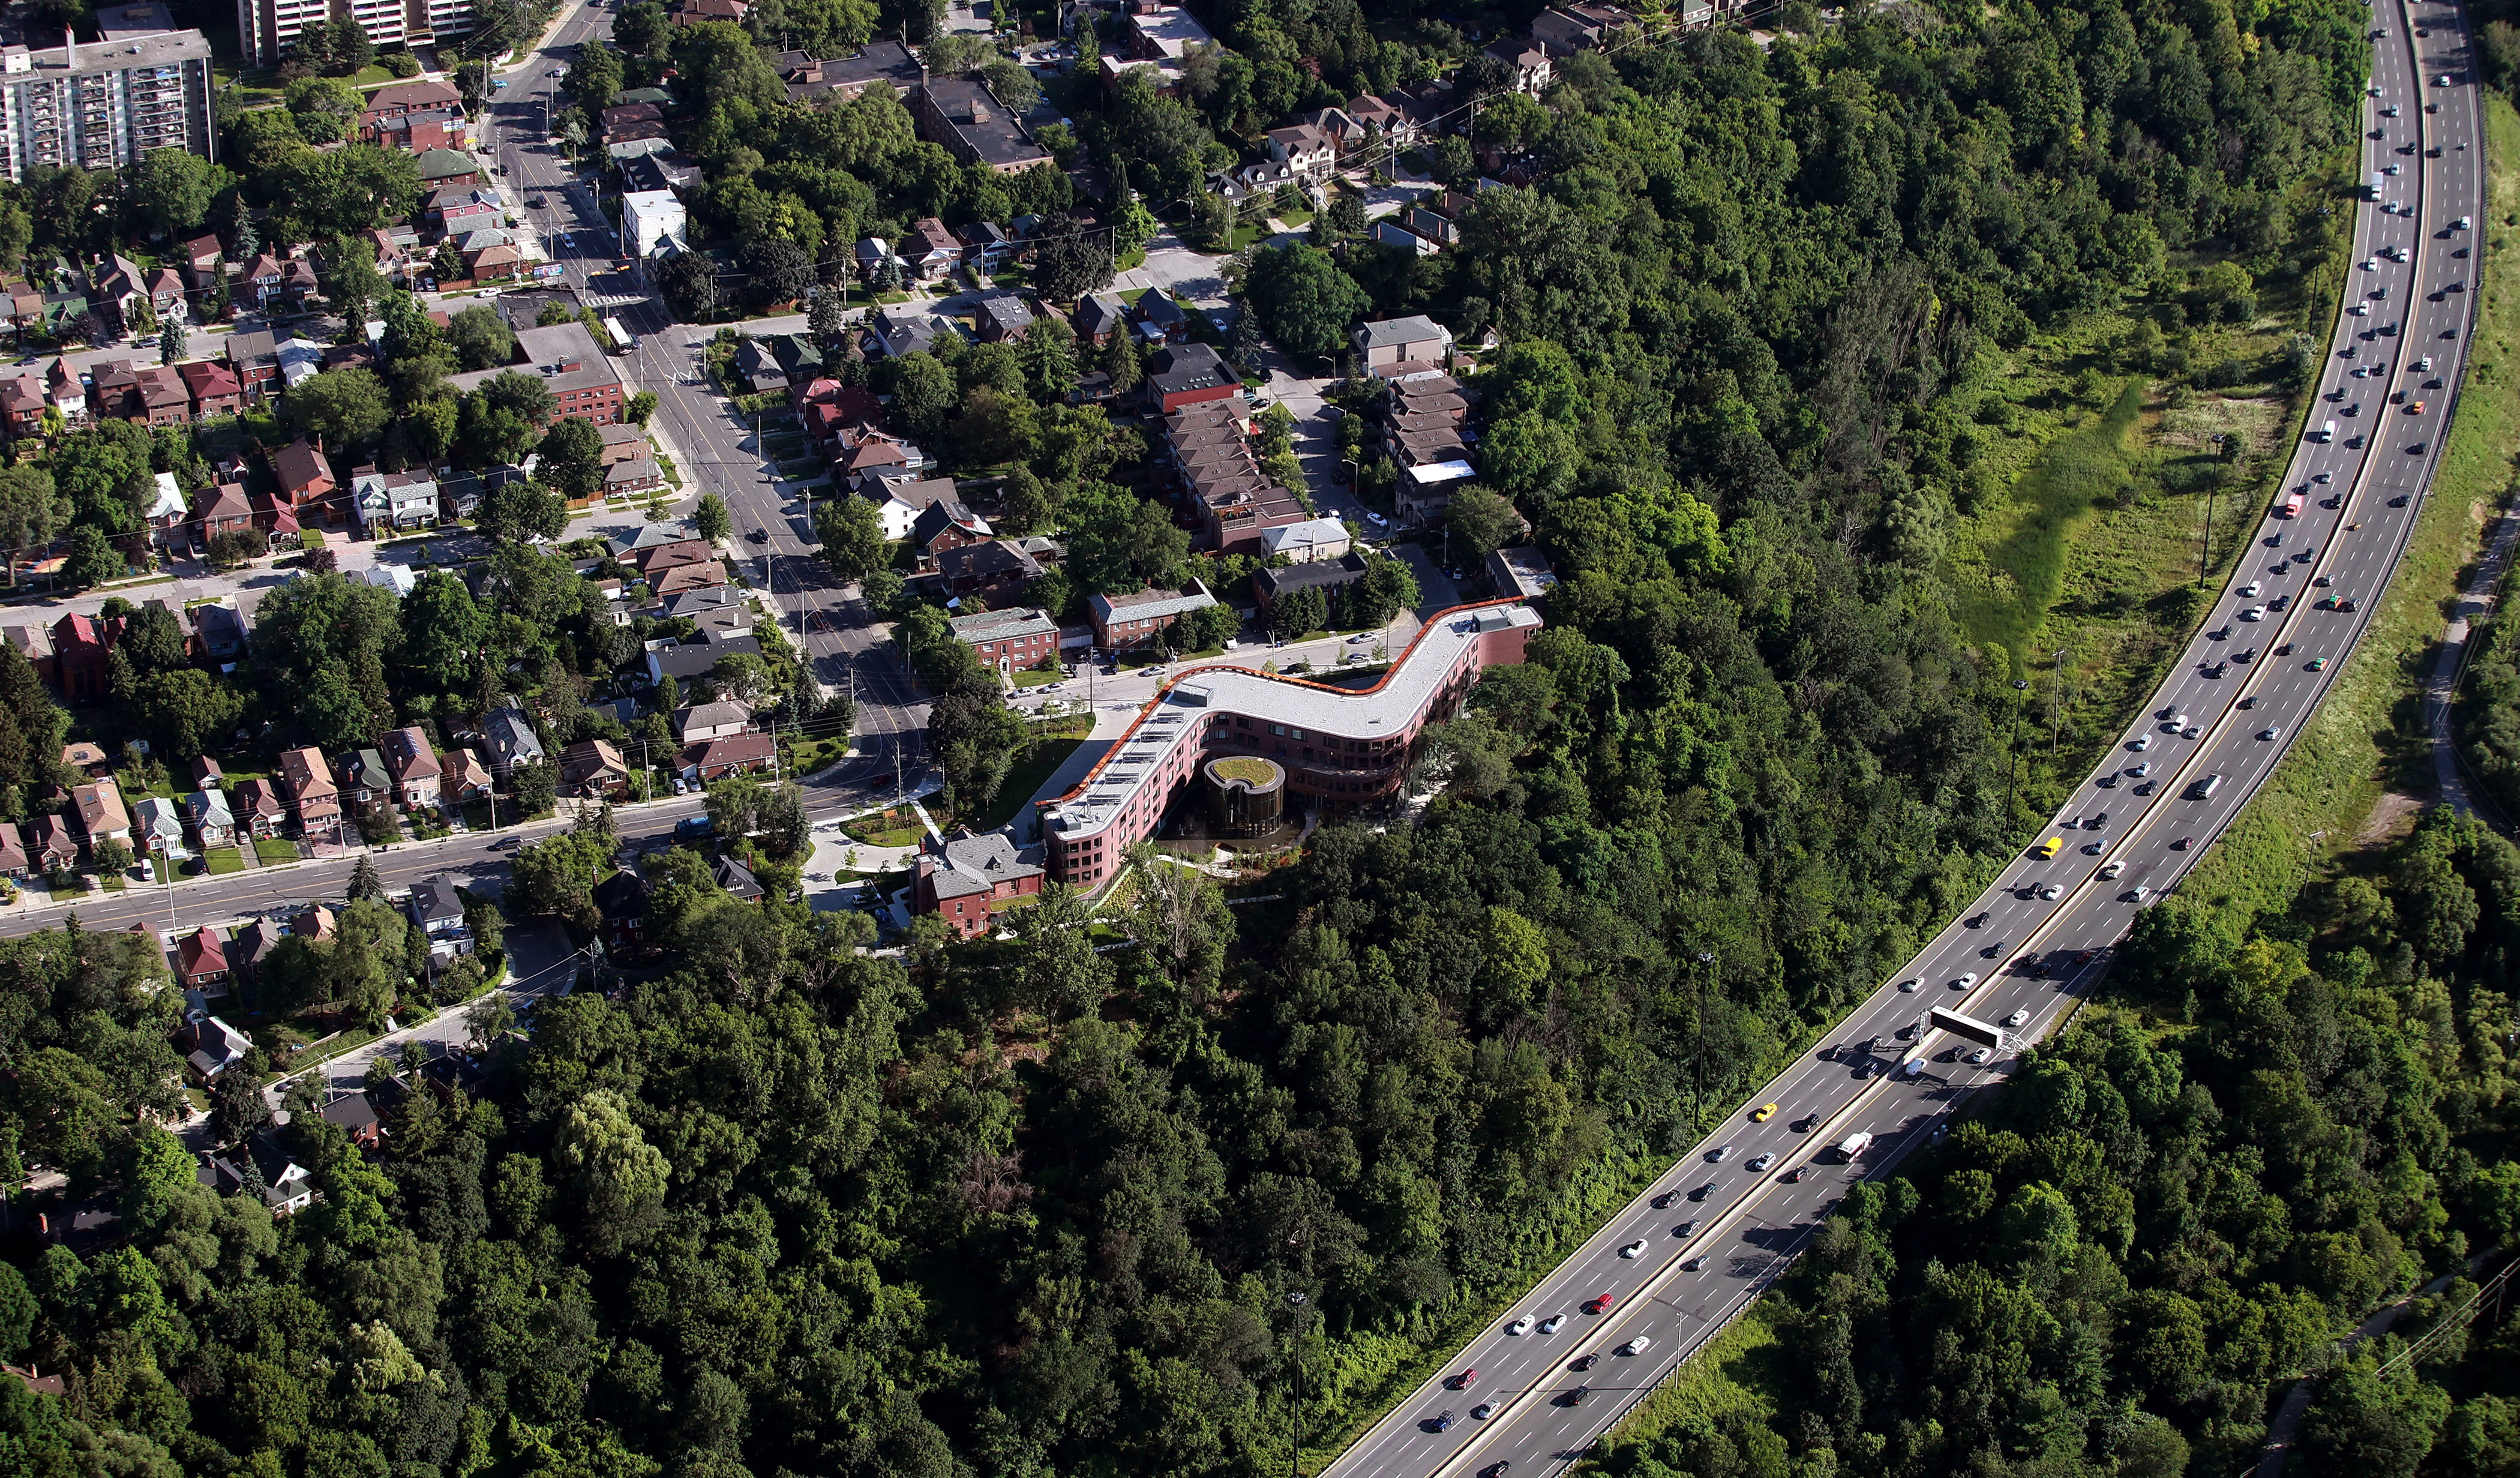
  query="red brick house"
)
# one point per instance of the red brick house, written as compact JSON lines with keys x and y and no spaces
{"x":1121,"y":622}
{"x":221,"y":509}
{"x":160,"y":397}
{"x":82,"y":649}
{"x":213,"y":387}
{"x":305,"y":477}
{"x":201,"y":959}
{"x":1008,"y":639}
{"x":965,"y":878}
{"x":22,"y":401}
{"x":1190,"y":374}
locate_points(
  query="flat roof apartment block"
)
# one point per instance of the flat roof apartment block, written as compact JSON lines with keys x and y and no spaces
{"x":105,"y":104}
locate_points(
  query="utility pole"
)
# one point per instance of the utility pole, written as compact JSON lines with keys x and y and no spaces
{"x":2205,"y":545}
{"x":1295,"y":1420}
{"x":1697,"y":1014}
{"x":2012,"y":773}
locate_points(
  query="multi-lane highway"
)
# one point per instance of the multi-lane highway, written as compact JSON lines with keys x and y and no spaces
{"x":1715,"y":1230}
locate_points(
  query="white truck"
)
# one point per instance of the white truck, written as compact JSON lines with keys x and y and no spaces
{"x":1855,"y":1144}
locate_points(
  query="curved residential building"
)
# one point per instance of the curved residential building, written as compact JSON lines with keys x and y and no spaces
{"x":1340,"y":746}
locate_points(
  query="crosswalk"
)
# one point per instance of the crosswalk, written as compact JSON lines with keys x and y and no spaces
{"x":603,"y":300}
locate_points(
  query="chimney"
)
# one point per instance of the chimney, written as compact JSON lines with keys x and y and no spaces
{"x":69,"y":46}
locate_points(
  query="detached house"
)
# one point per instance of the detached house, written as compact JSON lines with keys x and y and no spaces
{"x":593,"y":768}
{"x":99,"y":811}
{"x":307,"y":781}
{"x":414,"y":765}
{"x":392,"y":500}
{"x":965,"y":876}
{"x":305,"y":477}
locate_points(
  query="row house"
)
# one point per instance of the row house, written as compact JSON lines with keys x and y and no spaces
{"x":211,"y":387}
{"x":366,"y":788}
{"x":944,"y":525}
{"x":885,"y":65}
{"x":1207,"y":445}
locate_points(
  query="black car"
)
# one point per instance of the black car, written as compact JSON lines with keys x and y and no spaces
{"x":1497,"y":1468}
{"x":1664,"y":1199}
{"x":1582,"y":1362}
{"x":535,"y":202}
{"x":2399,"y":501}
{"x":1576,"y":1397}
{"x":1443,"y":1424}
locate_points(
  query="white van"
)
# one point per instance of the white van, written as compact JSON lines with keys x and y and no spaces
{"x":2326,"y":432}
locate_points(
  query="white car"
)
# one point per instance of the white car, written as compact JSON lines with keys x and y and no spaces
{"x":2360,"y":310}
{"x":1633,"y":1248}
{"x":1483,"y":1411}
{"x":1638,"y":1346}
{"x":2249,"y":592}
{"x":2270,"y":732}
{"x":2254,"y":613}
{"x":1378,"y":521}
{"x":2141,"y":769}
{"x":1981,"y":1056}
{"x":1550,"y":1324}
{"x":1520,"y":1326}
{"x":1360,"y":638}
{"x":2110,"y":872}
{"x":2053,"y":892}
{"x":2142,"y":742}
{"x":2443,"y":80}
{"x":1910,"y":984}
{"x":1963,"y":982}
{"x":2371,"y":264}
{"x":2017,"y":1017}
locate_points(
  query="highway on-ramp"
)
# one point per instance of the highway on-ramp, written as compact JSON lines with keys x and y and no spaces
{"x":1679,"y":1262}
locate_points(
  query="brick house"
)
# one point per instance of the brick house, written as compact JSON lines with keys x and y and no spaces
{"x":307,"y":779}
{"x":965,"y":876}
{"x":1008,"y":639}
{"x":213,"y":387}
{"x":1122,"y":622}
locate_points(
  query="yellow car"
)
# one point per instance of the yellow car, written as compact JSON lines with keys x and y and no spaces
{"x":1763,"y":1113}
{"x":2048,"y":848}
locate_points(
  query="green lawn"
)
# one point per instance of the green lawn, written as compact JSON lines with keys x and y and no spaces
{"x":1027,"y":775}
{"x":270,"y":850}
{"x":218,"y":859}
{"x":1029,"y":679}
{"x":897,"y":826}
{"x":2081,"y":472}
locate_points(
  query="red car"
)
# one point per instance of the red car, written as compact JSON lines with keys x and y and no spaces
{"x":1603,"y":1303}
{"x":1462,"y":1383}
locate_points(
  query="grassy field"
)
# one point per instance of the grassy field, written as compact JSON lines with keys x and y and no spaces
{"x":2081,"y":523}
{"x":269,"y":850}
{"x":1737,"y":1372}
{"x":1030,"y":771}
{"x":218,"y":859}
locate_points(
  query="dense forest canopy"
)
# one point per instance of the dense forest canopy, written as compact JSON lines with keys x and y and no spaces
{"x":1023,"y":1208}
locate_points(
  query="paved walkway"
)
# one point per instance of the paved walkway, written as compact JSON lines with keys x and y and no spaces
{"x":2296,"y":1404}
{"x":2441,"y":686}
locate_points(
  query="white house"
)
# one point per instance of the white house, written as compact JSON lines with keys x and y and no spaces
{"x":158,"y":826}
{"x":393,"y":500}
{"x":899,"y":501}
{"x":1306,"y":542}
{"x":397,"y":578}
{"x":651,"y":218}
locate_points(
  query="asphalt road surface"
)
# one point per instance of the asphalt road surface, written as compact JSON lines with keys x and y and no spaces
{"x":714,"y":446}
{"x":1676,"y":1272}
